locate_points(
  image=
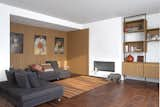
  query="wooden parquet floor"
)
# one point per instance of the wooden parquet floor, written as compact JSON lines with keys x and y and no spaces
{"x":128,"y":93}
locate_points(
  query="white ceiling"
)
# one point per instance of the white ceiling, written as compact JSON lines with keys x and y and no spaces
{"x":26,"y":21}
{"x":86,"y":11}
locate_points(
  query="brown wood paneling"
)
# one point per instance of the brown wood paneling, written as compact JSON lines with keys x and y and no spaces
{"x":78,"y":47}
{"x":28,"y":57}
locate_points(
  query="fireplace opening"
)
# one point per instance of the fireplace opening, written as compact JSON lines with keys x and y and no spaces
{"x":104,"y":66}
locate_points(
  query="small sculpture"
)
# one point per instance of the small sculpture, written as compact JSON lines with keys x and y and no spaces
{"x":130,"y":58}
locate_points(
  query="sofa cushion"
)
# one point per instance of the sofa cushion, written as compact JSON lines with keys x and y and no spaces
{"x":64,"y":74}
{"x":33,"y":79}
{"x":47,"y":67}
{"x":11,"y":76}
{"x":22,"y":79}
{"x":36,"y":68}
{"x":48,"y":76}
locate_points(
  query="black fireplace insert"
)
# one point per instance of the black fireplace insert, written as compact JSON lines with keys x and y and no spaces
{"x":104,"y":66}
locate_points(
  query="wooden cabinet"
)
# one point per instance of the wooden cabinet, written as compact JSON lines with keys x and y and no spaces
{"x":151,"y":70}
{"x":147,"y":70}
{"x":133,"y":69}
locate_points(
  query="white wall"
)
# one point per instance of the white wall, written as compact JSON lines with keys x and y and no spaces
{"x":153,"y":20}
{"x":153,"y":51}
{"x":4,"y":41}
{"x":105,"y":44}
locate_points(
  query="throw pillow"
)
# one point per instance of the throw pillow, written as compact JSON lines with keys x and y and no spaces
{"x":47,"y":67}
{"x":36,"y":67}
{"x":22,"y":79}
{"x":11,"y":76}
{"x":34,"y":81}
{"x":48,"y":70}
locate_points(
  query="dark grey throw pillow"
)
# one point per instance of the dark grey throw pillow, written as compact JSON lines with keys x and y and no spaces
{"x":11,"y":76}
{"x":34,"y":80}
{"x":22,"y":79}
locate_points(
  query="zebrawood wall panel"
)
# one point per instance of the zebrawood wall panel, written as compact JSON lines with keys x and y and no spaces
{"x":78,"y":51}
{"x":28,"y":57}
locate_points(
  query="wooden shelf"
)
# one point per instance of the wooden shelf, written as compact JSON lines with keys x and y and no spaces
{"x":135,"y":26}
{"x":137,"y":31}
{"x":133,"y":62}
{"x":142,"y":62}
{"x":153,"y":29}
{"x":136,"y":21}
{"x":152,"y":40}
{"x":136,"y":51}
{"x":134,"y":47}
{"x":134,"y":42}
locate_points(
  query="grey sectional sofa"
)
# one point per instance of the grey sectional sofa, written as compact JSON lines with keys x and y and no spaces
{"x":43,"y":92}
{"x":30,"y":97}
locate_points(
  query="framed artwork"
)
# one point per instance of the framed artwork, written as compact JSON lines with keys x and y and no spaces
{"x":59,"y":45}
{"x":16,"y":43}
{"x":40,"y":47}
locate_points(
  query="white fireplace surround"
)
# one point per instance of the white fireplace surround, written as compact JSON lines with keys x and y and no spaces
{"x":105,"y":44}
{"x":105,"y":74}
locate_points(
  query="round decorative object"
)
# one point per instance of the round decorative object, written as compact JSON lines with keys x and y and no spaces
{"x":130,"y":58}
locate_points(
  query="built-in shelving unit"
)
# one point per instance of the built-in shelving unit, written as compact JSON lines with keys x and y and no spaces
{"x":137,"y":38}
{"x":137,"y":47}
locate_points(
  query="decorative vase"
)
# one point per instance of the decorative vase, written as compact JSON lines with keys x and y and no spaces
{"x":130,"y":58}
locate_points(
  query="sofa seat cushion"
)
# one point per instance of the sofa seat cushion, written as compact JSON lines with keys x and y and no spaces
{"x":48,"y":76}
{"x":64,"y":74}
{"x":21,"y":94}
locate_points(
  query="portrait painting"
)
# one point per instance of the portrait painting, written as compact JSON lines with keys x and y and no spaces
{"x":40,"y":47}
{"x":59,"y":46}
{"x":16,"y":43}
